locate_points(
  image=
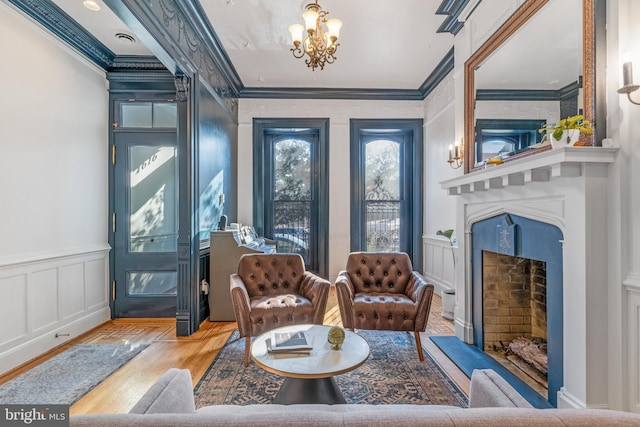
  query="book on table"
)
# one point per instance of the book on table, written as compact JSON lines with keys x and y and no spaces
{"x":295,"y":342}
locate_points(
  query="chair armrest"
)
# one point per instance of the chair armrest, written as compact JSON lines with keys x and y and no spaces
{"x":241,"y":304}
{"x":421,"y":293}
{"x":345,"y":293}
{"x":316,"y":290}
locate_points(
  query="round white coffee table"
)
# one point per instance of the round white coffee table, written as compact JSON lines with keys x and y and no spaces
{"x":310,"y":378}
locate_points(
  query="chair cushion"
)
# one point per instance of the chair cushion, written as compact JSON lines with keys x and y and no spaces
{"x":384,"y":311}
{"x":268,"y":312}
{"x":387,"y":272}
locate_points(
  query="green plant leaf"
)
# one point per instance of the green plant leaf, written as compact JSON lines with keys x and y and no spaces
{"x":445,"y":233}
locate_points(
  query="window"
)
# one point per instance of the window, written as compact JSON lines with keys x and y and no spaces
{"x":386,"y":186}
{"x":291,"y":191}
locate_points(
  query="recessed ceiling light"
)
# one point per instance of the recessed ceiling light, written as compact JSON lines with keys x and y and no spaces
{"x":91,"y":5}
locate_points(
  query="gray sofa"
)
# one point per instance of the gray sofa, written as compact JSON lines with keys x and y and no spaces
{"x":492,"y":402}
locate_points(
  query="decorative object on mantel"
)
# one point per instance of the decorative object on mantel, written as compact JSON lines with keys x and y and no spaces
{"x":335,"y":336}
{"x":627,"y":82}
{"x":319,"y":44}
{"x":567,"y":131}
{"x":456,"y":155}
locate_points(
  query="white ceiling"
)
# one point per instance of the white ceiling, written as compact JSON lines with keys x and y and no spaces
{"x":389,"y":44}
{"x":386,"y":44}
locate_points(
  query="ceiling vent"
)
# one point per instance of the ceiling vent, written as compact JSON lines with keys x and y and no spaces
{"x":124,"y":37}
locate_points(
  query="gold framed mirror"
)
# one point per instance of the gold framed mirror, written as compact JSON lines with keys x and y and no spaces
{"x":584,"y":72}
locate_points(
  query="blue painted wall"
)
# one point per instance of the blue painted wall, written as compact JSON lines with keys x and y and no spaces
{"x":533,"y":240}
{"x":217,"y":144}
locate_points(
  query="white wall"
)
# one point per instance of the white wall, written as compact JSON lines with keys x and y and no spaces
{"x":339,"y":113}
{"x":53,"y":170}
{"x":623,"y":30}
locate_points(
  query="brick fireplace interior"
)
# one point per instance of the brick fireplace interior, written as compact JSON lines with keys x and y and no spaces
{"x":514,"y":299}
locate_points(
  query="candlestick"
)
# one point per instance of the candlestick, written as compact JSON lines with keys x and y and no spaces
{"x":455,"y":152}
{"x":627,"y":74}
{"x":450,"y":152}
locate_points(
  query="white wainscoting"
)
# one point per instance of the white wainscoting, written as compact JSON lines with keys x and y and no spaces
{"x":632,"y":317}
{"x":438,"y":262}
{"x":42,"y":295}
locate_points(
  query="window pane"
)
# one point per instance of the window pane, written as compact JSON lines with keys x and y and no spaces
{"x":382,"y":195}
{"x":292,"y":170}
{"x":136,"y":115}
{"x":292,"y":194}
{"x":382,"y":170}
{"x":165,"y":115}
{"x":152,"y":199}
{"x":152,"y":283}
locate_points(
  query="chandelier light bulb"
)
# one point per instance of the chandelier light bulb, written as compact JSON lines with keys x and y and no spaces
{"x":296,"y":31}
{"x":310,"y":18}
{"x":333,"y":26}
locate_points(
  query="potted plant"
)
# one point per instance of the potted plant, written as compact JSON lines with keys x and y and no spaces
{"x":567,"y":131}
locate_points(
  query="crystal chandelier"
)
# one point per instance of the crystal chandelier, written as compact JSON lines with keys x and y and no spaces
{"x":319,"y":44}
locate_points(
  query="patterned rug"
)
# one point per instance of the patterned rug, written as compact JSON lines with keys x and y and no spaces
{"x":68,"y":376}
{"x":392,"y":375}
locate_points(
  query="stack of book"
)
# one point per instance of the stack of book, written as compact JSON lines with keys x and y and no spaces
{"x":289,"y":344}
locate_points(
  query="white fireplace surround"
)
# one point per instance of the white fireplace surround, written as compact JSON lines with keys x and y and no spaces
{"x":567,"y":188}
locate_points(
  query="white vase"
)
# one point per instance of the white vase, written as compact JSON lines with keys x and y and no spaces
{"x":568,"y":138}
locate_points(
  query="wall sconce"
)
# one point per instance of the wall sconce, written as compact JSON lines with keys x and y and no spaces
{"x":456,"y":155}
{"x":627,"y":81}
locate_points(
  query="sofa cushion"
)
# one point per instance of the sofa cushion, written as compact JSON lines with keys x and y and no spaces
{"x":488,"y":389}
{"x":171,"y":394}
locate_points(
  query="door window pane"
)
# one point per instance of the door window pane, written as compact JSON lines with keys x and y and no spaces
{"x":144,"y":283}
{"x":292,"y":196}
{"x":152,"y":199}
{"x":138,"y":115}
{"x":148,"y":115}
{"x":382,"y":195}
{"x":165,"y":115}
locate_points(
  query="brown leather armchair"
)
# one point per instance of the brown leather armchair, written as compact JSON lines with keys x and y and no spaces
{"x":380,"y":291}
{"x":272,"y":290}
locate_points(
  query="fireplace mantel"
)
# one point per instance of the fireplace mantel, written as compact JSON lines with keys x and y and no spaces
{"x":561,"y":162}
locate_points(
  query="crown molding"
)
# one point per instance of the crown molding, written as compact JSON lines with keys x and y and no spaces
{"x":332,"y":93}
{"x":451,"y":8}
{"x":54,"y":19}
{"x":444,"y":67}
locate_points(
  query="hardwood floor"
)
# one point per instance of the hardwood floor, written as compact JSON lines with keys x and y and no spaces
{"x":119,"y":392}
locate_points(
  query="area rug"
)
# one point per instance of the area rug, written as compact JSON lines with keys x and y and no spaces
{"x":68,"y":376}
{"x":393,"y":374}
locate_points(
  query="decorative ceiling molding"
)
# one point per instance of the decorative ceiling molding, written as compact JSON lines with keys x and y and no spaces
{"x":452,"y":8}
{"x":58,"y":22}
{"x":54,"y":19}
{"x":570,"y":90}
{"x":444,"y":67}
{"x":332,"y":93}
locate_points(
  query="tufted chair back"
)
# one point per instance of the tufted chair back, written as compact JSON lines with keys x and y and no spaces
{"x":273,"y":274}
{"x":272,"y":290}
{"x":380,"y":291}
{"x":379,"y":272}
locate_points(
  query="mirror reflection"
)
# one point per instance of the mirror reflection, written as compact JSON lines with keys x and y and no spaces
{"x":534,"y":77}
